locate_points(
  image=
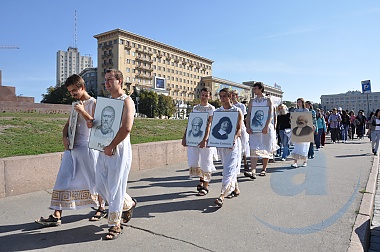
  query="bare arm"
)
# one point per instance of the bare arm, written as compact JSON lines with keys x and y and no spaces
{"x":125,"y":128}
{"x":248,"y":118}
{"x":80,"y":109}
{"x":65,"y":134}
{"x":202,"y":144}
{"x":270,"y":111}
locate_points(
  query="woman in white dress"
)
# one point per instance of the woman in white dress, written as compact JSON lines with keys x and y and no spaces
{"x":263,"y":143}
{"x":301,"y":149}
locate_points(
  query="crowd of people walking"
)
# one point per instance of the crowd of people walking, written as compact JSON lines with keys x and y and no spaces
{"x":262,"y":131}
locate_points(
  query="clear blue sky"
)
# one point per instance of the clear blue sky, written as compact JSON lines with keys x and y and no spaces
{"x":308,"y":47}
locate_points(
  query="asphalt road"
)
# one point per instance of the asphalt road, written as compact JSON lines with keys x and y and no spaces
{"x":309,"y":208}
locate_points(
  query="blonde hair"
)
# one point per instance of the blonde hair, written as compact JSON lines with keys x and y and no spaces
{"x":282,"y":109}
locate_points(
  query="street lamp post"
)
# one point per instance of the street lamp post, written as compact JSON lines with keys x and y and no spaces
{"x":137,"y":105}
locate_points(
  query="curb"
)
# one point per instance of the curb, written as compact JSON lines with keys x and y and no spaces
{"x":361,"y":233}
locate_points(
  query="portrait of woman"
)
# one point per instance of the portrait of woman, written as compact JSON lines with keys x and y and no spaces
{"x":222,"y":129}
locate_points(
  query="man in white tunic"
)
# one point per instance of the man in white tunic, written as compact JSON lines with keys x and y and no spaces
{"x":75,"y":184}
{"x":200,"y":158}
{"x":114,"y":163}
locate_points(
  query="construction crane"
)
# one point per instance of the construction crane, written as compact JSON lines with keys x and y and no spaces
{"x":9,"y":47}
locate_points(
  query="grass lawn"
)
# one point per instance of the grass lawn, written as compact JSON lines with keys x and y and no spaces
{"x":32,"y":133}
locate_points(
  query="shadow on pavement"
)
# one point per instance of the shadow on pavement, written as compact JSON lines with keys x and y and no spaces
{"x":30,"y":239}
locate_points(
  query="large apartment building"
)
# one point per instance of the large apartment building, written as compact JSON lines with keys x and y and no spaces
{"x":149,"y":64}
{"x":70,"y":62}
{"x":352,"y":100}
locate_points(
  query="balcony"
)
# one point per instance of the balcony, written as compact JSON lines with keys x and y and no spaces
{"x":144,"y":59}
{"x":106,"y":47}
{"x":128,"y":47}
{"x":150,"y":69}
{"x":168,"y":57}
{"x":143,"y":76}
{"x":176,"y":60}
{"x":107,"y":65}
{"x":159,"y":55}
{"x":183,"y":62}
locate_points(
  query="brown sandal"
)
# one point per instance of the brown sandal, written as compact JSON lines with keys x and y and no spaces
{"x":127,"y":215}
{"x":114,"y":232}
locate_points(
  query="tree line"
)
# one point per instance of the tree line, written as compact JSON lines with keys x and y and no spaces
{"x":147,"y":102}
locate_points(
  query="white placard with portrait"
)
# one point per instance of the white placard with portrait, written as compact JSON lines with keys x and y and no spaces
{"x":196,"y":128}
{"x":223,"y":129}
{"x":302,"y":127}
{"x":259,"y":116}
{"x":108,"y":113}
{"x":72,"y":125}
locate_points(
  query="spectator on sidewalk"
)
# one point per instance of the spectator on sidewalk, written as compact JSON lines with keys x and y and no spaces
{"x":374,"y":130}
{"x":321,"y":125}
{"x":284,"y":129}
{"x":334,"y":120}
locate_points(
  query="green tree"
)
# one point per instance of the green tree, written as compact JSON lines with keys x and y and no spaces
{"x":165,"y":106}
{"x":57,"y":95}
{"x":215,"y":103}
{"x":148,"y":103}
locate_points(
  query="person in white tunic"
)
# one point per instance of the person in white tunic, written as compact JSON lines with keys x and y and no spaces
{"x":262,"y":144}
{"x":244,"y":135}
{"x":75,"y":184}
{"x":301,"y":149}
{"x":230,"y":157}
{"x":200,"y":158}
{"x":114,"y":163}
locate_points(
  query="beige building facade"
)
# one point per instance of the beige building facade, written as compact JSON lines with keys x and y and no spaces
{"x":352,"y":100}
{"x":216,"y":84}
{"x":149,"y":64}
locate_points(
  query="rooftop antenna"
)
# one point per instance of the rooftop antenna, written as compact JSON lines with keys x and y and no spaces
{"x":75,"y":29}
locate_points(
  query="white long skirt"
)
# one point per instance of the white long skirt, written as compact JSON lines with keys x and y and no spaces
{"x":75,"y":184}
{"x":245,"y":141}
{"x":111,"y":180}
{"x":300,"y":151}
{"x":200,"y":161}
{"x":231,"y":160}
{"x":263,"y":145}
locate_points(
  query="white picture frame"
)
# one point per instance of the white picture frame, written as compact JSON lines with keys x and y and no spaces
{"x":223,"y":129}
{"x":259,"y":117}
{"x":108,"y":114}
{"x":302,"y":127}
{"x":72,"y":125}
{"x":196,"y":128}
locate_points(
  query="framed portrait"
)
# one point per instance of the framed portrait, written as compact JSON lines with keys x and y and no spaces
{"x":302,"y":127}
{"x":259,"y":116}
{"x":196,"y":127}
{"x":108,"y":113}
{"x":72,"y":125}
{"x":223,"y":129}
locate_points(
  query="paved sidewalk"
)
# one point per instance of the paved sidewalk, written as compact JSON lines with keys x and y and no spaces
{"x":375,"y":227}
{"x":309,"y":208}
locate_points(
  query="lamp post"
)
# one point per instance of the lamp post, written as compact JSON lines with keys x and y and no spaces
{"x":137,"y":105}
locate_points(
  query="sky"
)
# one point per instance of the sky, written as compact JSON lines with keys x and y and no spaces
{"x":309,"y":48}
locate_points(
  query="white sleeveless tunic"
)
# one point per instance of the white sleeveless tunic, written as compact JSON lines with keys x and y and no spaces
{"x":263,"y":145}
{"x":112,"y":177}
